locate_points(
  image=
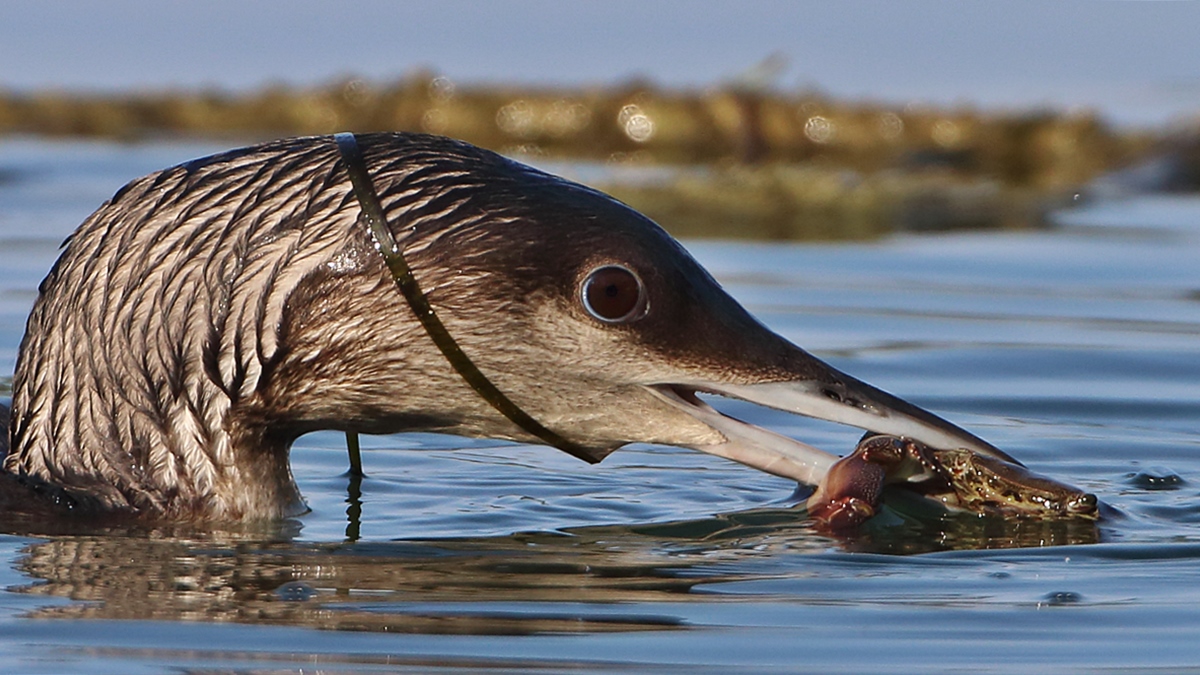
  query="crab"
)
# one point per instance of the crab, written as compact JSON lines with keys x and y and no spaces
{"x":958,"y":479}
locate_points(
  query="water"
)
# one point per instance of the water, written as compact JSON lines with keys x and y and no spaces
{"x":1135,"y":62}
{"x":1075,"y":349}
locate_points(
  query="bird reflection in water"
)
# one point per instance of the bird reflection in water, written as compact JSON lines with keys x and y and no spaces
{"x":590,"y":579}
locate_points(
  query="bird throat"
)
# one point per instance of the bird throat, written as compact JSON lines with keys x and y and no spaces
{"x":373,"y":217}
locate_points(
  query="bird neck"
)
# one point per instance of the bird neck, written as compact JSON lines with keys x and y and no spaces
{"x":151,"y":334}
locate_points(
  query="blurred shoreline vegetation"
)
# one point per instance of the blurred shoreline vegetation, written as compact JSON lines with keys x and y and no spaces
{"x":746,"y":161}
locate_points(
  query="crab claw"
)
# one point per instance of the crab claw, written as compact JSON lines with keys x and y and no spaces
{"x":851,"y":490}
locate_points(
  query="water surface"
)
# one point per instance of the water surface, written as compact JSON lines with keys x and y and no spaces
{"x":1075,"y":349}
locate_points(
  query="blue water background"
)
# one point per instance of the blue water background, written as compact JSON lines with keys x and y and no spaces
{"x":1136,"y":62}
{"x":1077,"y":349}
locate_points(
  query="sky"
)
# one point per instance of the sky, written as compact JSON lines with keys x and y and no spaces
{"x":1138,"y":61}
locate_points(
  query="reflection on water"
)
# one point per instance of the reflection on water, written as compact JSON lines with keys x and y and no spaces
{"x":588,"y":579}
{"x":1077,"y":350}
{"x":414,"y":587}
{"x":436,"y":588}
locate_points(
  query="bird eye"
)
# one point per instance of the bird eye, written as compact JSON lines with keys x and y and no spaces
{"x":614,"y":294}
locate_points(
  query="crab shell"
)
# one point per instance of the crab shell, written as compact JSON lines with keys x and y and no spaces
{"x":958,"y":479}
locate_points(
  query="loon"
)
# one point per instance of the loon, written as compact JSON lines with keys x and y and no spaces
{"x":211,"y":313}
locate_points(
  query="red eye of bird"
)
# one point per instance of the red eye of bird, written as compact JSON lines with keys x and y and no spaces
{"x":614,"y":294}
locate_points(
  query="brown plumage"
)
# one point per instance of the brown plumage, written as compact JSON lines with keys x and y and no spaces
{"x":211,"y":313}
